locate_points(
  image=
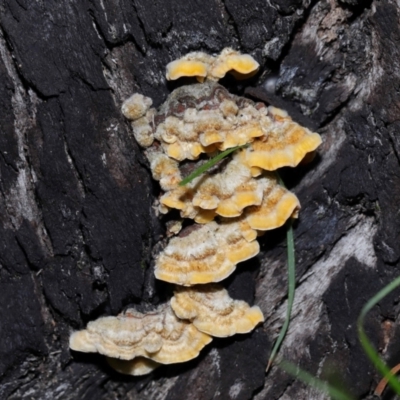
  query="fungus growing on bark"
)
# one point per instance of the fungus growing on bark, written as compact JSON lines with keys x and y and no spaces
{"x":201,"y":65}
{"x":194,"y":64}
{"x":203,"y":118}
{"x":238,"y":192}
{"x":231,"y":192}
{"x":212,"y":311}
{"x":277,"y":206}
{"x":164,"y":169}
{"x":226,"y":193}
{"x":284,"y":143}
{"x":241,"y":66}
{"x":198,"y":119}
{"x":158,"y":335}
{"x":136,"y":106}
{"x":137,"y":367}
{"x":209,"y":253}
{"x":137,"y":109}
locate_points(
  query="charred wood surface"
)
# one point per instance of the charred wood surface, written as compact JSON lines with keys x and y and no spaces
{"x":77,"y":227}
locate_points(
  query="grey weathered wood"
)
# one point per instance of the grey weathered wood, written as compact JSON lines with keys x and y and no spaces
{"x":77,"y":226}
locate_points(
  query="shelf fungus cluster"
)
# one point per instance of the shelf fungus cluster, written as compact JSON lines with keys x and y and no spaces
{"x":231,"y":204}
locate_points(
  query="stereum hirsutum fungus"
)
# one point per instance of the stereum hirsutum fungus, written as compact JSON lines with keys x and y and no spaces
{"x":231,"y":204}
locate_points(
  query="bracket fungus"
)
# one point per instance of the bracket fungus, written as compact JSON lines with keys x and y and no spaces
{"x":284,"y":144}
{"x":203,"y":66}
{"x":212,"y":311}
{"x":277,"y":206}
{"x":231,"y":204}
{"x":231,"y":193}
{"x":226,"y":192}
{"x":209,"y":253}
{"x":158,"y":335}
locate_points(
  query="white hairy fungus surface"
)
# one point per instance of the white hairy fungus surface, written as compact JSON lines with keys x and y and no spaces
{"x":137,"y":109}
{"x":204,"y":118}
{"x":164,"y":169}
{"x":212,"y":311}
{"x":158,"y":335}
{"x":136,"y":106}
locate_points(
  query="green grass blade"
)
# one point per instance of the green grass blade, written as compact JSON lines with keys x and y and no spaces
{"x":335,"y":393}
{"x":203,"y":168}
{"x":366,"y":344}
{"x":291,"y":284}
{"x":291,"y":290}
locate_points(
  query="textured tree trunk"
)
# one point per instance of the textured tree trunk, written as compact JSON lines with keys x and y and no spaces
{"x":77,"y":227}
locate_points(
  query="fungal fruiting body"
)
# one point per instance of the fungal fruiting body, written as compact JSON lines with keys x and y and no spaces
{"x":158,"y":335}
{"x":212,"y":311}
{"x":209,"y":253}
{"x":202,"y":65}
{"x":231,"y":204}
{"x":198,"y":120}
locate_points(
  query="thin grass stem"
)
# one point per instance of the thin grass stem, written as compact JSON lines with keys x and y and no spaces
{"x":291,"y":286}
{"x":366,"y":344}
{"x":203,"y":168}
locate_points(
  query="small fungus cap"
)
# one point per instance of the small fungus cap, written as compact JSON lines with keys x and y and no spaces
{"x":164,"y":169}
{"x":243,"y":65}
{"x":284,"y":143}
{"x":202,"y":65}
{"x":277,"y":206}
{"x":180,"y":68}
{"x":136,"y":106}
{"x":209,"y":253}
{"x":212,"y":311}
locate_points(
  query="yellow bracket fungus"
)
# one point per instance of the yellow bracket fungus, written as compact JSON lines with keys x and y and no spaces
{"x":227,"y":193}
{"x":194,"y":64}
{"x":233,"y":202}
{"x":209,"y":253}
{"x":212,"y":311}
{"x":277,"y":206}
{"x":159,"y":336}
{"x":232,"y":192}
{"x":241,"y":65}
{"x":284,"y":143}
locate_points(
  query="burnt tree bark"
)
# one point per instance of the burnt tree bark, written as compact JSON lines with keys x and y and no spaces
{"x":77,"y":224}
